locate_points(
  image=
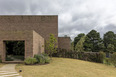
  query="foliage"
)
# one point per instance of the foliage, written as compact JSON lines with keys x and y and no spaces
{"x":87,"y":56}
{"x":92,"y":56}
{"x":65,"y":35}
{"x":76,"y":39}
{"x":51,"y":45}
{"x":107,"y":61}
{"x":110,"y":48}
{"x":92,"y":41}
{"x":65,"y":53}
{"x":110,"y":40}
{"x":79,"y":45}
{"x":30,"y":61}
{"x":102,"y":56}
{"x":113,"y":59}
{"x":15,"y":47}
{"x":72,"y":46}
{"x":47,"y":59}
{"x":42,"y":58}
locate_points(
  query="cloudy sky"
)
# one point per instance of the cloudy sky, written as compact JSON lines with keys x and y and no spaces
{"x":75,"y":16}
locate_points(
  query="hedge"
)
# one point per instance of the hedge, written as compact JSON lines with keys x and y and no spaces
{"x":87,"y":56}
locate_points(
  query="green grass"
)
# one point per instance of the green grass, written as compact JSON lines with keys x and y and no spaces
{"x":63,"y":67}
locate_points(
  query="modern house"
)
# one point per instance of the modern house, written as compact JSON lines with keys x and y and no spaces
{"x":34,"y":30}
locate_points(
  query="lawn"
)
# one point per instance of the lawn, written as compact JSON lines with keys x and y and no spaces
{"x":63,"y":67}
{"x":1,"y":65}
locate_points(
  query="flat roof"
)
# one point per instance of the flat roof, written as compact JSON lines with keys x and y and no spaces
{"x":28,"y":15}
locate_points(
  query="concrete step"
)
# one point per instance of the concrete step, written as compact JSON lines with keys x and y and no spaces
{"x":9,"y":75}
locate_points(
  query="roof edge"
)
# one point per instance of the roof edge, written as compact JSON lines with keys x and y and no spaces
{"x":28,"y":15}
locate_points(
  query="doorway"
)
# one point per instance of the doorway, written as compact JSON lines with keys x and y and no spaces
{"x":14,"y":50}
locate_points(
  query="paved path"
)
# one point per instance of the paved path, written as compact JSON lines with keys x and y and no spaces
{"x":8,"y":70}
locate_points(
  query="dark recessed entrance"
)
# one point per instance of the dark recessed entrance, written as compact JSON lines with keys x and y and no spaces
{"x":15,"y":50}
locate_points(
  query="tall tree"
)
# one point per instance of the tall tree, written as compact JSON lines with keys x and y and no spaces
{"x":79,"y":45}
{"x":110,"y":48}
{"x":92,"y":41}
{"x":109,"y":39}
{"x":72,"y":45}
{"x":76,"y":39}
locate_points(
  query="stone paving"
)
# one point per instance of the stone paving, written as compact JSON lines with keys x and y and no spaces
{"x":8,"y":70}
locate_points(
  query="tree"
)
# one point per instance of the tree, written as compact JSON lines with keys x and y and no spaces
{"x":101,"y":46}
{"x":109,"y":38}
{"x":110,"y":48}
{"x":51,"y":46}
{"x":79,"y":45}
{"x":65,"y":35}
{"x":76,"y":39}
{"x":92,"y":41}
{"x":72,"y":45}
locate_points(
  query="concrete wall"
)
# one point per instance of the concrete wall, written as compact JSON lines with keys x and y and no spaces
{"x":26,"y":36}
{"x":64,"y":43}
{"x":38,"y":43}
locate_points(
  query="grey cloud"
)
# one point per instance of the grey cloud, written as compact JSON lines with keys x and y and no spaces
{"x":75,"y":16}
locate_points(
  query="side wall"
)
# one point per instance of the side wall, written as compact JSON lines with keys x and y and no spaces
{"x":38,"y":43}
{"x":64,"y":43}
{"x":26,"y":36}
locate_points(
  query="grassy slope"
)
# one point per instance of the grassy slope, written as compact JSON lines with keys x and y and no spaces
{"x":62,"y":67}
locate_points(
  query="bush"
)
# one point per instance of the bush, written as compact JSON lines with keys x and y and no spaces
{"x":107,"y":61}
{"x":102,"y":56}
{"x":87,"y":56}
{"x":46,"y":57}
{"x":42,"y":58}
{"x":113,"y":59}
{"x":30,"y":61}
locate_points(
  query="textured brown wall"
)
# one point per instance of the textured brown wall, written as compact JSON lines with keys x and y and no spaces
{"x":44,"y":25}
{"x":64,"y":43}
{"x":26,"y":36}
{"x":38,"y":43}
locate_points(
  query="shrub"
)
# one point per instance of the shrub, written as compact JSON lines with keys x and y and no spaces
{"x":107,"y":61}
{"x":102,"y":56}
{"x":45,"y":55}
{"x":113,"y":59}
{"x":87,"y":56}
{"x":30,"y":61}
{"x":38,"y":57}
{"x":42,"y":58}
{"x":47,"y":59}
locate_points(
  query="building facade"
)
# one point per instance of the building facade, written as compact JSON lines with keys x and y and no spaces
{"x":33,"y":29}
